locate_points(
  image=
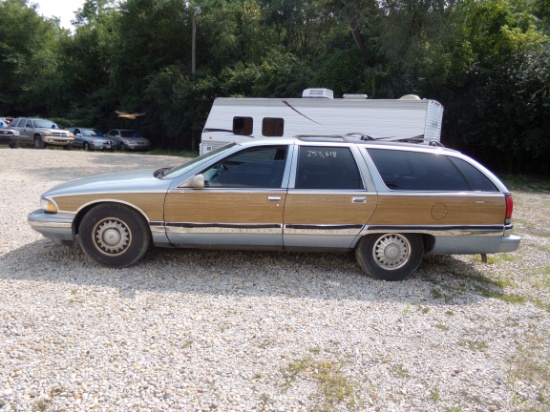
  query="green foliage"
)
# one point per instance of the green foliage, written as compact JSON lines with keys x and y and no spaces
{"x":486,"y":61}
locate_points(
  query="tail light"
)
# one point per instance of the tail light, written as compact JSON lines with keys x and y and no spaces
{"x":509,"y":208}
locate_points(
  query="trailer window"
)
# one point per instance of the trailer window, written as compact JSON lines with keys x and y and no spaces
{"x":242,"y":125}
{"x":273,"y":126}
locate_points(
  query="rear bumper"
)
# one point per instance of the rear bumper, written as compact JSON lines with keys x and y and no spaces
{"x":53,"y":226}
{"x":472,"y":245}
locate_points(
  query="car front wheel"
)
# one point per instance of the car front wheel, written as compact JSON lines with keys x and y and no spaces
{"x":390,"y":256}
{"x":39,"y":143}
{"x":86,"y":146}
{"x":114,"y":235}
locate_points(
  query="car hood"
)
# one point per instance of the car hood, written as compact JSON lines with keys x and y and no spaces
{"x":142,"y":181}
{"x":50,"y":130}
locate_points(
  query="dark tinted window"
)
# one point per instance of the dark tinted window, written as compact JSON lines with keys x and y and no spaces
{"x":327,"y":168}
{"x":273,"y":126}
{"x":402,"y":170}
{"x":261,"y":167}
{"x":476,"y":179}
{"x":243,"y":125}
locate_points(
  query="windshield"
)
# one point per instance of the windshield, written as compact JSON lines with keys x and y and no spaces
{"x":129,"y":133}
{"x":89,"y":132}
{"x":185,"y":167}
{"x":44,"y":123}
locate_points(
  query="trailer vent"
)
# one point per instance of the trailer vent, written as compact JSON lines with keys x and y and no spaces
{"x":355,"y":96}
{"x":318,"y":93}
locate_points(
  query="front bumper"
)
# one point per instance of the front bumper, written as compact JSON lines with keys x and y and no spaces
{"x":136,"y":146}
{"x":102,"y":145}
{"x":58,"y":141}
{"x":57,"y":226}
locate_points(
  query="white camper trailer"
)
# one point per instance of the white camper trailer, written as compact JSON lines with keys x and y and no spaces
{"x":318,"y":113}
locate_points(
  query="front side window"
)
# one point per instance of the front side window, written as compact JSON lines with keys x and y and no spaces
{"x":252,"y":168}
{"x":273,"y":126}
{"x":403,"y":170}
{"x":327,"y":168}
{"x":243,"y":125}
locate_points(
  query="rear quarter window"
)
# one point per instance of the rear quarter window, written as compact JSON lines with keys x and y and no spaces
{"x":476,"y":179}
{"x":417,"y":171}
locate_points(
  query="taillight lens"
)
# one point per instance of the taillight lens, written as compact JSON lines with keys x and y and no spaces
{"x":509,"y":208}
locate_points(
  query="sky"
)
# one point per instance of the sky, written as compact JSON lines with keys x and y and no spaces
{"x":64,"y":9}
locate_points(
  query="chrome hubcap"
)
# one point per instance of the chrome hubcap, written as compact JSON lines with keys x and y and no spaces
{"x":112,"y":237}
{"x":391,"y":251}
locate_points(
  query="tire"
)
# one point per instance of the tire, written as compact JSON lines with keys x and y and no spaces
{"x":14,"y":145}
{"x":390,"y":256}
{"x":122,"y":147}
{"x":68,"y":147}
{"x":86,"y":146}
{"x":38,"y":142}
{"x":114,"y":235}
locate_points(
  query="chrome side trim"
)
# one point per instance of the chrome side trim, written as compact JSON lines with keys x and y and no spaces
{"x":438,"y":230}
{"x":223,"y":228}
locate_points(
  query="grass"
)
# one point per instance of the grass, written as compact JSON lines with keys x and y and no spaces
{"x":334,"y":387}
{"x":531,"y":365}
{"x":399,"y":371}
{"x":527,"y":183}
{"x":474,"y":345}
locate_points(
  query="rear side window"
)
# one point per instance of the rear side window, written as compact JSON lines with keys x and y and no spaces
{"x":327,"y":168}
{"x":402,"y":170}
{"x":476,"y":179}
{"x":243,"y":125}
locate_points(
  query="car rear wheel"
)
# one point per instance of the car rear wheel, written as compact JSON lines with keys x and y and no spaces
{"x":390,"y":256}
{"x":38,"y":142}
{"x":114,"y":235}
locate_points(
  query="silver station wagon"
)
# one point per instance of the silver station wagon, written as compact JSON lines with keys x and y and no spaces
{"x":390,"y":203}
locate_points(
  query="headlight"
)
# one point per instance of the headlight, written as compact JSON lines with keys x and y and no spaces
{"x":48,"y":206}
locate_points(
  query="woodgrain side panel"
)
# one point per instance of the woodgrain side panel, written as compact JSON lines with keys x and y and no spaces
{"x":205,"y":206}
{"x":149,"y":203}
{"x":470,"y":209}
{"x":316,"y":208}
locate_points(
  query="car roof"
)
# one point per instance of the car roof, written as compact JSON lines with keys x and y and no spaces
{"x":335,"y":140}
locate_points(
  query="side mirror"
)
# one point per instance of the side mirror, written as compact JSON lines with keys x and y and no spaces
{"x":195,"y":182}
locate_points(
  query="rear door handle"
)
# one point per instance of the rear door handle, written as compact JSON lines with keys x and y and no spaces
{"x":361,"y":199}
{"x":274,"y":198}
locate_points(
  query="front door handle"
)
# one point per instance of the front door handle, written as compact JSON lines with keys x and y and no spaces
{"x":274,"y":198}
{"x":361,"y":199}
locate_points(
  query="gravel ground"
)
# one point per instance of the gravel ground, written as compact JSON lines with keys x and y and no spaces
{"x":188,"y":330}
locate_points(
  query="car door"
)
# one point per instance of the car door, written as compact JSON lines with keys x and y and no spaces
{"x":25,"y":130}
{"x":78,"y":137}
{"x":327,"y":203}
{"x":241,"y":204}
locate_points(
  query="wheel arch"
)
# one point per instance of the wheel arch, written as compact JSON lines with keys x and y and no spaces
{"x":88,"y":206}
{"x":427,"y":239}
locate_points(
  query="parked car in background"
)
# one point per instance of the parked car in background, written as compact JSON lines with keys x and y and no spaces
{"x":127,"y":139}
{"x":91,"y":139}
{"x":390,"y":203}
{"x":41,"y":133}
{"x":8,"y":135}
